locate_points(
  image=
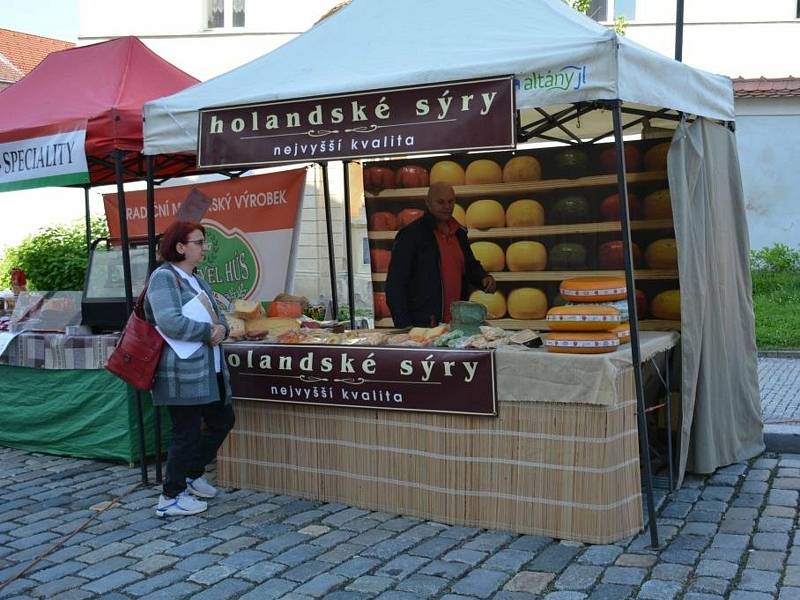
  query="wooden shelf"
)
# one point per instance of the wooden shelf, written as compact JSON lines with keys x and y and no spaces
{"x":521,"y":276}
{"x":545,"y":230}
{"x":517,"y":189}
{"x":541,"y":324}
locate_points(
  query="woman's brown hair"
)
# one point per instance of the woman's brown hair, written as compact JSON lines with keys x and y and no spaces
{"x":174,"y":235}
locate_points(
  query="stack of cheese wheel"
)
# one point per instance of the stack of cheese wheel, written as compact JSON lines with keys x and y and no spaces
{"x":587,"y":327}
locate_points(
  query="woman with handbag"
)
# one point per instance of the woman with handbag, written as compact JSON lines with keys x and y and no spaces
{"x":196,"y":388}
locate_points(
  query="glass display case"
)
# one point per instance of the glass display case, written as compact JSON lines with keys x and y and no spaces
{"x":103,"y":301}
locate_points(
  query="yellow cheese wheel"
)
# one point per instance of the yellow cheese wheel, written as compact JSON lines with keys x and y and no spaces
{"x":526,"y":256}
{"x":588,"y":317}
{"x":662,"y":254}
{"x":495,"y":303}
{"x":524,"y":213}
{"x":447,"y":171}
{"x":490,"y":255}
{"x":527,"y":303}
{"x":578,"y":342}
{"x":460,"y":215}
{"x":522,"y":168}
{"x":593,"y":289}
{"x":655,"y":159}
{"x":667,"y":305}
{"x":623,"y":331}
{"x":483,"y":171}
{"x":658,"y":205}
{"x":483,"y":214}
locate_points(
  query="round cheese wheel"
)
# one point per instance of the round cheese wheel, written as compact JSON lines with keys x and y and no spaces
{"x":379,"y":258}
{"x":623,"y":331}
{"x":495,"y":303}
{"x":526,"y":256}
{"x":522,"y":168}
{"x":524,"y":213}
{"x":593,"y":289}
{"x":483,"y":171}
{"x":667,"y":305}
{"x":527,"y":303}
{"x":658,"y":205}
{"x":589,"y":317}
{"x":655,"y":159}
{"x":662,"y":254}
{"x":577,"y":342}
{"x":483,"y":214}
{"x":460,"y":215}
{"x":490,"y":255}
{"x":447,"y":171}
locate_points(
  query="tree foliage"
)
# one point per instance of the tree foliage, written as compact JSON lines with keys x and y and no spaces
{"x":54,"y":258}
{"x":583,"y":6}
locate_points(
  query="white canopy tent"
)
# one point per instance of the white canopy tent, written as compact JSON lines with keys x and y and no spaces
{"x":558,"y":56}
{"x":568,"y":64}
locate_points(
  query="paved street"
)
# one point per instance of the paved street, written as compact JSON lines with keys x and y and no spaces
{"x":730,"y":535}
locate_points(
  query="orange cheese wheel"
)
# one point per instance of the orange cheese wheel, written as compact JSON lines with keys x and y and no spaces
{"x":577,"y":342}
{"x":593,"y":289}
{"x":623,"y":331}
{"x":667,"y":305}
{"x":589,"y":317}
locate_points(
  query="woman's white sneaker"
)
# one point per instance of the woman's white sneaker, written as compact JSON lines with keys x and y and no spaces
{"x":200,"y":487}
{"x":182,"y":504}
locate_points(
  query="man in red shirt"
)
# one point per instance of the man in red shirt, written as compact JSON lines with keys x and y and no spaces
{"x":432,"y":264}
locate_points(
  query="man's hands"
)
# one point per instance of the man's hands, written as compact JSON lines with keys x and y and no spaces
{"x":488,"y":284}
{"x":217,"y":334}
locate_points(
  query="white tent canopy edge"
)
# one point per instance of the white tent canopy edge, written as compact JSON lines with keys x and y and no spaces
{"x":557,"y":55}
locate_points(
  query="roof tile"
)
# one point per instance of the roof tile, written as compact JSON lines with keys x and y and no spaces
{"x":785,"y":87}
{"x":24,"y":50}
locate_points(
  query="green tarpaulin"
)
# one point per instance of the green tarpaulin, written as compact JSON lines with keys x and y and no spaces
{"x":81,"y":413}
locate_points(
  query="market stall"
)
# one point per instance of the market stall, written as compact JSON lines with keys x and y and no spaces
{"x":574,"y":82}
{"x":75,"y":120}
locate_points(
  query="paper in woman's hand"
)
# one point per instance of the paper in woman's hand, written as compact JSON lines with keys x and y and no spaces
{"x":197,"y":309}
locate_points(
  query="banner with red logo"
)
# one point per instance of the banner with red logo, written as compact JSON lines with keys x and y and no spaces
{"x":252,"y":224}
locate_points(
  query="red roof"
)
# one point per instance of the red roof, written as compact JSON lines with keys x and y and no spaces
{"x":105,"y":84}
{"x":786,"y":87}
{"x":24,"y":50}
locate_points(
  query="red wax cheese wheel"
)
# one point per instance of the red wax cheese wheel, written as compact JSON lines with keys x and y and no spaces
{"x":495,"y":303}
{"x":593,"y":289}
{"x":611,"y":255}
{"x":655,"y":159}
{"x":527,"y":303}
{"x":577,"y":342}
{"x":483,"y":171}
{"x":623,"y":331}
{"x":380,"y":305}
{"x":662,"y":254}
{"x":379,"y":258}
{"x":633,"y":159}
{"x":641,"y":304}
{"x":383,"y":221}
{"x":411,"y":176}
{"x":447,"y":171}
{"x":667,"y":305}
{"x":522,"y":168}
{"x":378,"y":178}
{"x":490,"y":255}
{"x":610,"y":208}
{"x":408,"y":215}
{"x":590,"y":317}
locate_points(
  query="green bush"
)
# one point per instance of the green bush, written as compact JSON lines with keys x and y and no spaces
{"x":778,"y":258}
{"x":54,"y":258}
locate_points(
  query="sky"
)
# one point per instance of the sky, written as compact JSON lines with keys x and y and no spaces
{"x":50,"y":18}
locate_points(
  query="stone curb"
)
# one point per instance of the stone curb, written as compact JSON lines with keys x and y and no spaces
{"x":779,"y":354}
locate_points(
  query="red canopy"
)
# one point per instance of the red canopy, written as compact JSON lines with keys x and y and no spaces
{"x":106,"y":84}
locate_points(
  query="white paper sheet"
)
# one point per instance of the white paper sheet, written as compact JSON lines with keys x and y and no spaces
{"x":197,"y":309}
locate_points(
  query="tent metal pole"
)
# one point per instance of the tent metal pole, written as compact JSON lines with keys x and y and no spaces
{"x":88,"y":217}
{"x":126,"y":272}
{"x":670,"y":451}
{"x":151,"y":265}
{"x":679,"y":32}
{"x":326,"y":193}
{"x":351,"y":295}
{"x":644,"y":446}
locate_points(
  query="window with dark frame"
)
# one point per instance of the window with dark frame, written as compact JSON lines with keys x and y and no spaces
{"x":225,"y":13}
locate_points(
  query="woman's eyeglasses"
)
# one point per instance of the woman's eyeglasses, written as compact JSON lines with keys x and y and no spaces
{"x":201,"y":243}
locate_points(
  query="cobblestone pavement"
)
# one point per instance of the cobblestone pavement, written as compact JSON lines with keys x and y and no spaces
{"x":731,"y":535}
{"x":779,"y":380}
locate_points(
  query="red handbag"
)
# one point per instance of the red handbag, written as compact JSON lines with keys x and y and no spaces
{"x":138,"y":351}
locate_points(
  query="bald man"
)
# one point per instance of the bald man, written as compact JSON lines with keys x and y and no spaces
{"x":432,"y":264}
